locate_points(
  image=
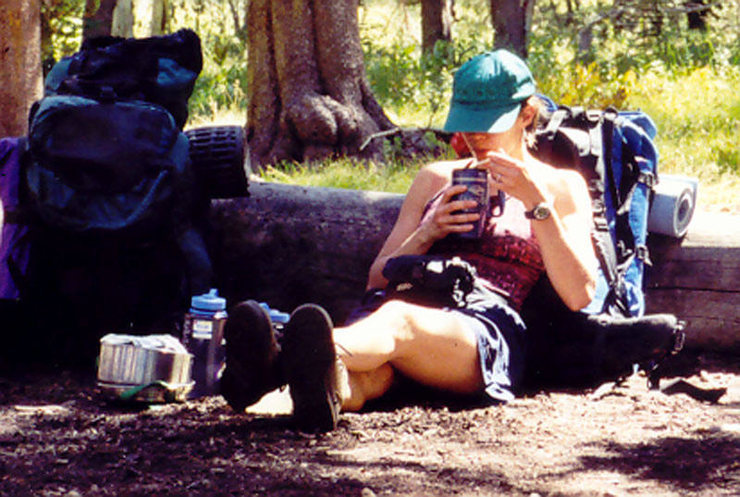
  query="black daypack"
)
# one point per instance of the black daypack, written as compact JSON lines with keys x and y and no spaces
{"x":118,"y":239}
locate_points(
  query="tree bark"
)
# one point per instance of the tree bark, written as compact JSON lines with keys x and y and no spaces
{"x":436,"y":19}
{"x":98,"y":18}
{"x":123,"y":19}
{"x":151,"y":17}
{"x":108,"y":18}
{"x":309,"y":95}
{"x":20,"y":64}
{"x":511,"y":23}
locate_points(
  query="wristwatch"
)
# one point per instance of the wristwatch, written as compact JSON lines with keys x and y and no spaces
{"x":539,"y":212}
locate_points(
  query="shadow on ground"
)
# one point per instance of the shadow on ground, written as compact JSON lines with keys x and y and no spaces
{"x":710,"y":460}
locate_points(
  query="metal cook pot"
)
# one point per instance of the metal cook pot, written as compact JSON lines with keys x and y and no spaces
{"x":129,"y":364}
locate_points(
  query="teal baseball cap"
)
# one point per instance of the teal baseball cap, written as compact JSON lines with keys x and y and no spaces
{"x":487,"y":93}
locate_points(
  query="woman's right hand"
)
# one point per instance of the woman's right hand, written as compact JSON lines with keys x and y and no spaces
{"x":414,"y":233}
{"x":447,"y":217}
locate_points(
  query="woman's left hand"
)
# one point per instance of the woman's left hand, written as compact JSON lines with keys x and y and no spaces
{"x":514,"y":177}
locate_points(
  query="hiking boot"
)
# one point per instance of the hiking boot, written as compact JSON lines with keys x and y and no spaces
{"x":623,"y":342}
{"x":252,"y":367}
{"x":310,"y":364}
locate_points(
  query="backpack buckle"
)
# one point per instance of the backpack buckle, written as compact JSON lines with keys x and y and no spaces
{"x":600,"y":223}
{"x":556,"y":120}
{"x":643,"y":254}
{"x":647,"y":178}
{"x":107,"y":94}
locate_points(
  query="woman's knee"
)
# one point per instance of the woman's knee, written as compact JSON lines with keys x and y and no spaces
{"x":400,"y":317}
{"x":412,"y":322}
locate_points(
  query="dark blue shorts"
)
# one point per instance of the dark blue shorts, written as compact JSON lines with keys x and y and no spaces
{"x":500,"y":332}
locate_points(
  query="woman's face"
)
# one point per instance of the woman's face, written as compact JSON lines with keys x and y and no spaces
{"x":509,"y":141}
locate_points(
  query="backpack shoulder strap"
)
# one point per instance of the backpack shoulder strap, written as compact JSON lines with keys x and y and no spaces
{"x":608,"y":119}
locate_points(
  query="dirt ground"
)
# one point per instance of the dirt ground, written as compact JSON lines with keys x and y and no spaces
{"x":60,"y":437}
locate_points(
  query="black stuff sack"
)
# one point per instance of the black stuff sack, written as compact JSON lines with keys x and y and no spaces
{"x":159,"y":69}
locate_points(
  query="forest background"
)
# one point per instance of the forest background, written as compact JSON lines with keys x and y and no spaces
{"x":677,"y":61}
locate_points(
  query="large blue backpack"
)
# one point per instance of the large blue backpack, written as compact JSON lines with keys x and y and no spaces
{"x":118,"y":215}
{"x":615,"y":153}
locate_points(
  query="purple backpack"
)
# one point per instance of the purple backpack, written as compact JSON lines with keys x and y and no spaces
{"x":14,"y":241}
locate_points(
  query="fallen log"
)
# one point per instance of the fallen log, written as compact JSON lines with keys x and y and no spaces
{"x":286,"y":245}
{"x":698,"y":279}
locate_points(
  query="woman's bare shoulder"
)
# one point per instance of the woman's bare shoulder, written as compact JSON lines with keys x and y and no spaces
{"x":443,"y":168}
{"x":565,"y":181}
{"x":570,"y":191}
{"x":435,"y":175}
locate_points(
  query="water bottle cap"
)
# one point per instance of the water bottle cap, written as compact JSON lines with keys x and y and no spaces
{"x":208,"y":302}
{"x":279,"y":317}
{"x":275,"y":315}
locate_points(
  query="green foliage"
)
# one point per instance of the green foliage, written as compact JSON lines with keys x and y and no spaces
{"x":405,"y":81}
{"x":699,"y":115}
{"x":222,"y":85}
{"x":412,"y":87}
{"x":61,"y":28}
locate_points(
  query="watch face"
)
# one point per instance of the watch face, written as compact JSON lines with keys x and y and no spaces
{"x":541,"y":212}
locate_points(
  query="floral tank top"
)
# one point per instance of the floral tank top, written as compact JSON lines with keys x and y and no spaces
{"x":507,"y":257}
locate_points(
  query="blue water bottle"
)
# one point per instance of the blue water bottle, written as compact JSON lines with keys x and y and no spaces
{"x":279,"y":319}
{"x":203,"y":335}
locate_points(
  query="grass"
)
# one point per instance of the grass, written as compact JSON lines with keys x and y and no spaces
{"x":698,"y":117}
{"x":345,"y":173}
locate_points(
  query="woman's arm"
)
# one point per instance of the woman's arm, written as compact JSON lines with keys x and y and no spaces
{"x":565,"y":242}
{"x":408,"y":236}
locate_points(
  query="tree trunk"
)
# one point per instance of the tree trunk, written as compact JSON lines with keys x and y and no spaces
{"x":20,"y":64}
{"x":436,"y":19}
{"x":697,"y":14}
{"x":123,"y":19}
{"x":98,"y":18}
{"x":151,"y":17}
{"x":511,"y":24}
{"x":309,"y":95}
{"x":108,"y":17}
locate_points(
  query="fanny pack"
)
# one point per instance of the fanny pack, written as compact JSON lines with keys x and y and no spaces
{"x":429,"y":280}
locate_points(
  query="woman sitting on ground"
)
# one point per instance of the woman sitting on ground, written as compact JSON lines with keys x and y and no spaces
{"x":477,"y":350}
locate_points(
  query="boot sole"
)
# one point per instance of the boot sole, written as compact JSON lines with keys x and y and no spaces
{"x":250,"y":352}
{"x":309,"y":358}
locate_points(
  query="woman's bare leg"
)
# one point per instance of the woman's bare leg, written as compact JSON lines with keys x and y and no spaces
{"x":428,"y":345}
{"x":366,"y":385}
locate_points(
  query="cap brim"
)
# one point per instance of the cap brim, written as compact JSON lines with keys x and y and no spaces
{"x":471,"y":118}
